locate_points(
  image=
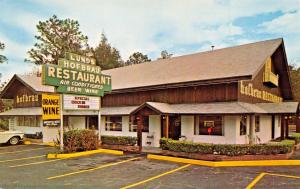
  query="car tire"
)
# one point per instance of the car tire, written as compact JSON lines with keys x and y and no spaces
{"x":14,"y":140}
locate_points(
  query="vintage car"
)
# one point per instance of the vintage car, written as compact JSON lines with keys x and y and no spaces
{"x":11,"y":137}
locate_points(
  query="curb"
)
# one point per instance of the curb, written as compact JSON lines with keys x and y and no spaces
{"x":227,"y":163}
{"x":26,"y":142}
{"x":86,"y":153}
{"x":52,"y":144}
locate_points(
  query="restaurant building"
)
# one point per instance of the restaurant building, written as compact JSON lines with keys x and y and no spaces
{"x":235,"y":95}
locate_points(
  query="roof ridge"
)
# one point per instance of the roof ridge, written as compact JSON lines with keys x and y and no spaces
{"x":195,"y":53}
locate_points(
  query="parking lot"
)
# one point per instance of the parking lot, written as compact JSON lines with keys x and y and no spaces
{"x":26,"y":166}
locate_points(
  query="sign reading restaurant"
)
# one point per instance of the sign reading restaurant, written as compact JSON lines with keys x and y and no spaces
{"x":77,"y":74}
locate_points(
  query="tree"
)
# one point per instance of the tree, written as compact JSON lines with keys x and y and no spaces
{"x":55,"y":37}
{"x":295,"y":81}
{"x":164,"y":55}
{"x":107,"y":57}
{"x":137,"y":58}
{"x":2,"y":57}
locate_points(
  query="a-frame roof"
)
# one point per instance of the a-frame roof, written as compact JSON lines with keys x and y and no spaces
{"x":32,"y":82}
{"x":233,"y":62}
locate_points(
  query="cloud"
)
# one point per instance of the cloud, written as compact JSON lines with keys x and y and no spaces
{"x":133,"y":25}
{"x":289,"y":23}
{"x":16,"y":53}
{"x":152,"y":26}
{"x":287,"y":26}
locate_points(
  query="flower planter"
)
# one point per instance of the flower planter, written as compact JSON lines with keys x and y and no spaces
{"x":124,"y":148}
{"x":213,"y":157}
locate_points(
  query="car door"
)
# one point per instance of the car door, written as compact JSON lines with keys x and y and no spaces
{"x":4,"y":136}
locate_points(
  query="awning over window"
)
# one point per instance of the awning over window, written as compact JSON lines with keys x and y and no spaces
{"x":123,"y":110}
{"x":22,"y":111}
{"x":104,"y":111}
{"x":164,"y":108}
{"x":278,"y":108}
{"x":221,"y":108}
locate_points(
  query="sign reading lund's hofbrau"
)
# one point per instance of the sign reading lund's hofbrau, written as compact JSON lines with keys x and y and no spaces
{"x":77,"y":74}
{"x":50,"y":110}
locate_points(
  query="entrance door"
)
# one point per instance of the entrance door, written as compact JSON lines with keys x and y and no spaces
{"x":92,"y":122}
{"x":174,"y":127}
{"x":273,"y":126}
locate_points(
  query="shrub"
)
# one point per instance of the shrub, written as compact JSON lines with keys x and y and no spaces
{"x":296,"y":136}
{"x":226,"y":149}
{"x":80,"y":140}
{"x":189,"y":147}
{"x":119,"y":140}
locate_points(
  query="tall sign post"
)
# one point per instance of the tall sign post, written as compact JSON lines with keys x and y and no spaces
{"x":99,"y":119}
{"x":61,"y":144}
{"x":76,"y":74}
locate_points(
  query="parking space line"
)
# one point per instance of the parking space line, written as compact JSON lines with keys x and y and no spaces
{"x":255,"y":181}
{"x":5,"y":147}
{"x":35,"y":163}
{"x":92,"y":169}
{"x":261,"y":175}
{"x":280,"y":175}
{"x":23,"y":150}
{"x":156,"y":177}
{"x":19,"y":159}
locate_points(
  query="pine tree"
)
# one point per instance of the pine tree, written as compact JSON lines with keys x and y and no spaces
{"x":55,"y":37}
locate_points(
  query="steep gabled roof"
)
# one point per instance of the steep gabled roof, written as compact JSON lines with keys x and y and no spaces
{"x":237,"y":61}
{"x":36,"y":83}
{"x":33,"y":82}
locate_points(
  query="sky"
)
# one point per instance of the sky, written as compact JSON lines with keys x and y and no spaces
{"x":178,"y":26}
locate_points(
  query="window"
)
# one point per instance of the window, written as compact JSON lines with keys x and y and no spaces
{"x":243,"y":125}
{"x":113,"y":123}
{"x":208,"y":125}
{"x":145,"y":123}
{"x":257,"y":123}
{"x":28,"y":121}
{"x":66,"y":121}
{"x":133,"y":124}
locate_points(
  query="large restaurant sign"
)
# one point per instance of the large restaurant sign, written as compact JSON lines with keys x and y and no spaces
{"x":77,"y":74}
{"x":250,"y":91}
{"x":51,"y":110}
{"x":78,"y":102}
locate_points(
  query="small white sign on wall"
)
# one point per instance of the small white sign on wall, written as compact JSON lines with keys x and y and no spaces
{"x":79,"y":102}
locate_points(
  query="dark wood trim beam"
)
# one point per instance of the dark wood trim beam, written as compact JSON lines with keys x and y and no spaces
{"x":183,"y":84}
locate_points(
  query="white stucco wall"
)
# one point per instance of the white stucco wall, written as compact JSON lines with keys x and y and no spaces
{"x":27,"y":130}
{"x":265,"y":133}
{"x":154,"y":129}
{"x":277,"y":126}
{"x":12,"y":124}
{"x":50,"y":134}
{"x":242,"y":139}
{"x":230,"y":131}
{"x":77,"y":122}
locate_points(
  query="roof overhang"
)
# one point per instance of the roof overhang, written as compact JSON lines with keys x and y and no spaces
{"x":4,"y":94}
{"x":222,"y":108}
{"x":22,"y":111}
